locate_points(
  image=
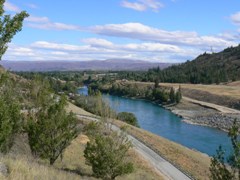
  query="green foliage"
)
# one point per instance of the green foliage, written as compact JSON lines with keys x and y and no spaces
{"x":9,"y":26}
{"x":172,"y":95}
{"x":93,"y":129}
{"x":218,"y":169}
{"x":66,"y":82}
{"x":40,"y":92}
{"x":178,"y":95}
{"x":128,"y":117}
{"x":95,"y":105}
{"x":156,"y":83}
{"x":107,"y":155}
{"x":51,"y":130}
{"x":206,"y":69}
{"x":160,"y":95}
{"x":234,"y":158}
{"x":10,"y":122}
{"x":10,"y":117}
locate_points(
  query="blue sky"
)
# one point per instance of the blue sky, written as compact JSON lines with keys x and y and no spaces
{"x":152,"y":30}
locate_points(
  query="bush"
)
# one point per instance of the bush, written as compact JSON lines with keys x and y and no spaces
{"x":10,"y":122}
{"x":10,"y":116}
{"x":107,"y":156}
{"x":128,"y":117}
{"x":51,"y":130}
{"x":219,"y":170}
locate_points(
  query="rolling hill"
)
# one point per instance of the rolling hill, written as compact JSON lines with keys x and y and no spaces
{"x":206,"y":68}
{"x":110,"y":64}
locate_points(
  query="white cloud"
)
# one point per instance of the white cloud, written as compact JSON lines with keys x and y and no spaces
{"x":32,"y":6}
{"x":100,"y":45}
{"x":95,"y":48}
{"x":52,"y":25}
{"x":143,"y":5}
{"x":235,"y":18}
{"x":56,"y":46}
{"x":40,"y":22}
{"x":11,"y":7}
{"x":19,"y":51}
{"x":98,"y":42}
{"x":46,"y":24}
{"x":146,"y":33}
{"x":136,"y":6}
{"x":37,"y":19}
{"x":151,"y":47}
{"x":42,"y":50}
{"x":59,"y":53}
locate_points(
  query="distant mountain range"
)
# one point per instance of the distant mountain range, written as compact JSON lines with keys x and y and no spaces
{"x":110,"y":64}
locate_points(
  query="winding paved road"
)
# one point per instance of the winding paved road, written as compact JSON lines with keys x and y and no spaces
{"x":159,"y":163}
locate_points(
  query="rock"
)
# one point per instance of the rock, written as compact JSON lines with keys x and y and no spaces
{"x":3,"y":169}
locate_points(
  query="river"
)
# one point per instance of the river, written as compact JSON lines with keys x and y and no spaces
{"x":162,"y":122}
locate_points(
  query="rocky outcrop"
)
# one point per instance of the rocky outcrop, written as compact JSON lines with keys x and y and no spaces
{"x":217,"y":120}
{"x":199,"y":115}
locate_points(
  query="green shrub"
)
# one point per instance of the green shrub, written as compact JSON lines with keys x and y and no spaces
{"x":128,"y":117}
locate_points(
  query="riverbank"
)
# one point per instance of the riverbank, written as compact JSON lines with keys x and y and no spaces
{"x":205,"y":105}
{"x":197,"y":114}
{"x":200,"y":113}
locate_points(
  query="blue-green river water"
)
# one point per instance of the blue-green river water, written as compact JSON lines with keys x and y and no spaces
{"x":162,"y":122}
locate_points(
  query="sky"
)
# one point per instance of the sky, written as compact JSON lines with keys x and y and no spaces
{"x":151,"y":30}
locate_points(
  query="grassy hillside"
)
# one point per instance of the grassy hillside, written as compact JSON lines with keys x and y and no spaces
{"x":23,"y":165}
{"x":20,"y":168}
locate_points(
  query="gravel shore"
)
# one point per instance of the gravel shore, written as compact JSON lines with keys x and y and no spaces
{"x":199,"y":115}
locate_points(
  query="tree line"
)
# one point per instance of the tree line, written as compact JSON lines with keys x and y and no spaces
{"x":156,"y":93}
{"x":207,"y":68}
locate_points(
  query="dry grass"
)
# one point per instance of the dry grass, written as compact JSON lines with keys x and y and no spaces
{"x":222,"y":90}
{"x":73,"y":160}
{"x":77,"y":110}
{"x":22,"y":169}
{"x":235,"y":83}
{"x":194,"y":163}
{"x":231,"y":89}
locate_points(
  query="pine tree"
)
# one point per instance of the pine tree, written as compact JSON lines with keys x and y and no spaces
{"x":51,"y":130}
{"x":156,"y":83}
{"x":172,"y":95}
{"x":178,"y":95}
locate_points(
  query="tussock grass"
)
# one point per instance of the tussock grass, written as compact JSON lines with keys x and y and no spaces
{"x":20,"y":168}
